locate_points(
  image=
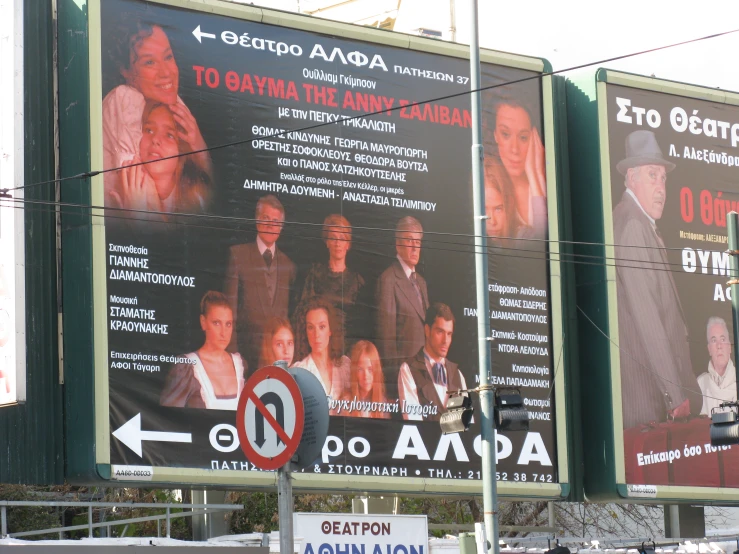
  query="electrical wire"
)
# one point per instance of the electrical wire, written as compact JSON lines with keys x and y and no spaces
{"x":303,"y":237}
{"x":89,"y":174}
{"x":465,"y":248}
{"x":602,"y":332}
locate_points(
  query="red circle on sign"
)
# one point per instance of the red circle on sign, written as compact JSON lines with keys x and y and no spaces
{"x":291,"y":444}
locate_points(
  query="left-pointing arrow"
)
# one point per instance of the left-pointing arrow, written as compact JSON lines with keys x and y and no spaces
{"x":200,"y":34}
{"x":131,"y":435}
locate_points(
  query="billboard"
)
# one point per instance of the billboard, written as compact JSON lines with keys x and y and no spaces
{"x":12,"y":269}
{"x":669,"y":164}
{"x":304,"y":230}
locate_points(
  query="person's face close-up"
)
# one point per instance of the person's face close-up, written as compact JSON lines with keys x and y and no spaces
{"x":719,"y":347}
{"x":648,"y":183}
{"x":152,"y":68}
{"x":159,"y":140}
{"x":338,"y":245}
{"x":270,"y":224}
{"x":318,"y":330}
{"x":217,"y":324}
{"x":283,"y":345}
{"x":497,"y":221}
{"x":365,"y":374}
{"x":513,"y":136}
{"x":409,"y":247}
{"x":439,"y":337}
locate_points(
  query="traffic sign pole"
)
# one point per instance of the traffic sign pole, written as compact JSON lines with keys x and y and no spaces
{"x":285,"y":508}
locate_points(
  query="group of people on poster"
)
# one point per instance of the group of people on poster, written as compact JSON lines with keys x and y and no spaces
{"x":657,"y":379}
{"x":259,"y":317}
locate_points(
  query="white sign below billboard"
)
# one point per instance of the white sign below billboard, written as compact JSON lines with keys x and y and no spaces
{"x":369,"y":534}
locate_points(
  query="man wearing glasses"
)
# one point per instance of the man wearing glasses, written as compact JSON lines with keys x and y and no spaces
{"x":258,"y":280}
{"x":718,"y":384}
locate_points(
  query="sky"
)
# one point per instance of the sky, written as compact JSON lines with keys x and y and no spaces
{"x":574,"y":32}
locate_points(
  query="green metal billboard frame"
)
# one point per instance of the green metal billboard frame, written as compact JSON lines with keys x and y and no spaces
{"x":88,"y":447}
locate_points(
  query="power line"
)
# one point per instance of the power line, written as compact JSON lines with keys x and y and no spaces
{"x":624,"y":351}
{"x":465,"y":248}
{"x":90,"y":174}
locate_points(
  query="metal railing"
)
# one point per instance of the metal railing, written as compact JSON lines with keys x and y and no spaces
{"x":194,"y":510}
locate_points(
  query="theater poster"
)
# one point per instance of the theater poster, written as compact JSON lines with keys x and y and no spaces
{"x":674,"y":163}
{"x":324,"y":219}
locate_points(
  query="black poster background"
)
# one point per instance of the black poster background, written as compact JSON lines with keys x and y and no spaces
{"x":198,"y":247}
{"x":692,"y":179}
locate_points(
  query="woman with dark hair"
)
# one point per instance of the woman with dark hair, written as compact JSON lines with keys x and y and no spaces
{"x":521,"y":153}
{"x":278,"y":342}
{"x":320,"y":337}
{"x":142,"y":59}
{"x":334,"y":280}
{"x":366,"y":382}
{"x":210,"y":377}
{"x":165,"y":183}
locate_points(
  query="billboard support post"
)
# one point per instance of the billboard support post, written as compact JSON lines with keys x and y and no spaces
{"x":285,"y":509}
{"x":489,"y":484}
{"x":732,"y":222}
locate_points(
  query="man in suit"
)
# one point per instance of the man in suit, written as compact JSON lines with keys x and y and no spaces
{"x":258,"y":280}
{"x":657,"y":381}
{"x":402,"y":297}
{"x":425,"y":379}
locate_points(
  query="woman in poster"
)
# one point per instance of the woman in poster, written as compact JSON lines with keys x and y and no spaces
{"x":166,"y":183}
{"x":334,"y":280}
{"x":366,"y":383}
{"x":210,"y":377}
{"x":143,"y":60}
{"x":521,"y":152}
{"x":278,"y":342}
{"x":500,"y":207}
{"x":320,"y":336}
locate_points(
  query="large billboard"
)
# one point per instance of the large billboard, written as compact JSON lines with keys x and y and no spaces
{"x":304,"y":230}
{"x":12,"y":269}
{"x":669,"y":154}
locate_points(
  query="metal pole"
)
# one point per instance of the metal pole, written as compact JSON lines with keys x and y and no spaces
{"x":489,"y":484}
{"x":732,"y":222}
{"x":89,"y":521}
{"x":3,"y":522}
{"x":169,"y":524}
{"x":285,"y":509}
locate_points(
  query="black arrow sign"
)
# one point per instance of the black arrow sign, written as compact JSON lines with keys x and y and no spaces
{"x":266,"y":399}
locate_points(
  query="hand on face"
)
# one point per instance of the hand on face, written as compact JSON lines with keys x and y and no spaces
{"x":137,"y":189}
{"x":535,"y":166}
{"x":189,"y":132}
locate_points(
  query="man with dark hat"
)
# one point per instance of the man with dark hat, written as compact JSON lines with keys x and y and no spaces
{"x":657,"y":381}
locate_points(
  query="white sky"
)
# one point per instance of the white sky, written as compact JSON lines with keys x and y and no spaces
{"x":573,"y":32}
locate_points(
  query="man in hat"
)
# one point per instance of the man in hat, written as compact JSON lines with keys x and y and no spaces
{"x":657,"y":381}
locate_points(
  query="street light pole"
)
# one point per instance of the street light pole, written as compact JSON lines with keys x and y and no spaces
{"x":489,"y":474}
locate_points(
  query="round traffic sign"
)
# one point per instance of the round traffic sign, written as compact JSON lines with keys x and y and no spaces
{"x":269,"y":417}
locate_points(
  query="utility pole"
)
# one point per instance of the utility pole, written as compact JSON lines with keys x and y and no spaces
{"x":489,"y":483}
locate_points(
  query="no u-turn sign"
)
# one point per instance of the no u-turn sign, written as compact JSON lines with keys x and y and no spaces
{"x":270,"y":417}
